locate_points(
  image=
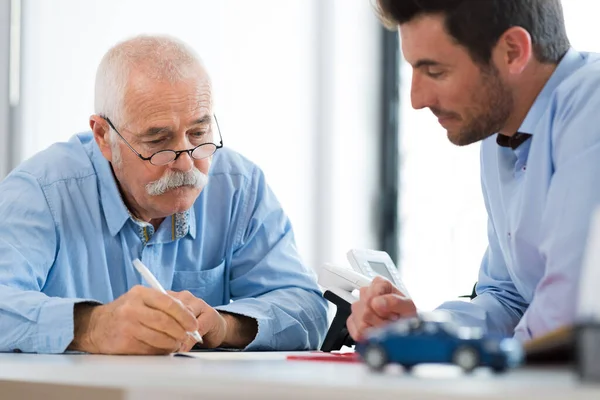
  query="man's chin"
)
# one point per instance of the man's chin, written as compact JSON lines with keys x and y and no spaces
{"x":455,"y":138}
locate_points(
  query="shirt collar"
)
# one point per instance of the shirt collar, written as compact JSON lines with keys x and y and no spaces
{"x":116,"y":212}
{"x":513,"y":141}
{"x":569,"y":63}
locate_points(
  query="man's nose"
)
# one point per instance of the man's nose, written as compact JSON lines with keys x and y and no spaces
{"x":420,"y":95}
{"x":184,"y":162}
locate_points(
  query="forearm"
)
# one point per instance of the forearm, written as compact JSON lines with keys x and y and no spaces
{"x":32,"y":322}
{"x":82,"y":326}
{"x":486,"y":312}
{"x":287,"y":319}
{"x":241,"y":330}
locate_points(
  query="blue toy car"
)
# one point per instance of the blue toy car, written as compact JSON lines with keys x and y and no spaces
{"x":433,"y":338}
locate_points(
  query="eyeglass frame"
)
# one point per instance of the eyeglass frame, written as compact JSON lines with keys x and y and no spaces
{"x":177,"y":152}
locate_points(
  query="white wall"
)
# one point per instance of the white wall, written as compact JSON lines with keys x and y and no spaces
{"x":4,"y":87}
{"x":289,"y":75}
{"x":443,"y":228}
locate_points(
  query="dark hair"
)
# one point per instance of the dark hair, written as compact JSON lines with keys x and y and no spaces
{"x":478,"y":24}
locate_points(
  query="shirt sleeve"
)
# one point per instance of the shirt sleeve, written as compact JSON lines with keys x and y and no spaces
{"x":498,"y":306}
{"x":573,"y":194}
{"x":269,"y":282}
{"x":30,"y":321}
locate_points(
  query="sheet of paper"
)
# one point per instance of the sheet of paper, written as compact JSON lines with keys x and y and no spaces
{"x":240,"y":355}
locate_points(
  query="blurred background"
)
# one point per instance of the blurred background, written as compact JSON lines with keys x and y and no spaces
{"x":313,"y":91}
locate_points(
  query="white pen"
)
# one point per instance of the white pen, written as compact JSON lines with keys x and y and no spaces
{"x":147,"y":275}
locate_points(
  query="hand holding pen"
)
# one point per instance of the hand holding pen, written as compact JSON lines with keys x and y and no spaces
{"x":141,"y":321}
{"x":152,"y":281}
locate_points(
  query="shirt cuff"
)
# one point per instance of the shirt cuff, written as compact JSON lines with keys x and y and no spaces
{"x":54,"y":330}
{"x":264,"y":339}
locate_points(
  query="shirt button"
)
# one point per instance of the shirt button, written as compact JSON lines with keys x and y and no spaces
{"x":508,"y":234}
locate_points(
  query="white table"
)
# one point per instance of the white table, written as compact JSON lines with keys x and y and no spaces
{"x":50,"y":377}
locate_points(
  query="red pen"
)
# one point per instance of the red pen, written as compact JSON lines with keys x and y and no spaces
{"x":322,"y":356}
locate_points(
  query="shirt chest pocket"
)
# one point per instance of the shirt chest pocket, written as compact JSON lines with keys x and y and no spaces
{"x":206,"y":284}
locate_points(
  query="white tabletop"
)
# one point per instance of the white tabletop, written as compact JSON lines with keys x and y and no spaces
{"x":253,"y":377}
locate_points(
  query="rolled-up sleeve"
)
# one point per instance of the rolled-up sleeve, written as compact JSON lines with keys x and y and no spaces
{"x":269,"y":282}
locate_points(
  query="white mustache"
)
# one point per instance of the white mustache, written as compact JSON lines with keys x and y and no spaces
{"x":174,"y":179}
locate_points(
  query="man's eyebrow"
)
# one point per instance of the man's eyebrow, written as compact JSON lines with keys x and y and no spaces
{"x":202,"y":120}
{"x":156,"y":131}
{"x":426,"y":63}
{"x":162,"y":130}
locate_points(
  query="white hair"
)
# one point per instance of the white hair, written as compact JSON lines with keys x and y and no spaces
{"x":161,"y":58}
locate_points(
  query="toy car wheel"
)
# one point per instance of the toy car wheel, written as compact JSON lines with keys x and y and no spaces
{"x":499,"y":368}
{"x":466,"y":357}
{"x":375,"y":357}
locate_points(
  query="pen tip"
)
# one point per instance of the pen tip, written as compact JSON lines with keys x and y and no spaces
{"x":197,"y":336}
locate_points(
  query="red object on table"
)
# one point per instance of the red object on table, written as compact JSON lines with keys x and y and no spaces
{"x":327,"y":357}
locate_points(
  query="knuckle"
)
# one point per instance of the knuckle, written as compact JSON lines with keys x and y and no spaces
{"x":383,"y":283}
{"x":128,"y":311}
{"x":137,"y":290}
{"x":186,"y":294}
{"x":378,"y":280}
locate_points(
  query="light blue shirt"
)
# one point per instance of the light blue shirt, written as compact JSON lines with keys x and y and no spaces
{"x":68,"y":237}
{"x":539,"y":198}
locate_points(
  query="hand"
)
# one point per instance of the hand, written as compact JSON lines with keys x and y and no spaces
{"x":142,"y":321}
{"x":212,"y":326}
{"x":379,"y":303}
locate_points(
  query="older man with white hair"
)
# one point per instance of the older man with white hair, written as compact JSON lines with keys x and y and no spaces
{"x":151,"y":181}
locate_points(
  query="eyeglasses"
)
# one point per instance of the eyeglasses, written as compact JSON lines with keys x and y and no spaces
{"x":164,"y":157}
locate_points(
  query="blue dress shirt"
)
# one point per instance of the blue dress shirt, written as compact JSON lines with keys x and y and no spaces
{"x":539,"y":198}
{"x":67,"y":237}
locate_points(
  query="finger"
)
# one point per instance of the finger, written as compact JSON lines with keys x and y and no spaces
{"x":186,"y":298}
{"x":358,"y":308}
{"x":140,"y":348}
{"x":187,"y":345}
{"x":161,"y":322}
{"x":351,"y":326}
{"x":391,"y":306}
{"x":364,"y":291}
{"x":172,"y":307}
{"x":185,"y":295}
{"x":213,"y":326}
{"x":195,"y":305}
{"x":157,"y":340}
{"x":379,"y":286}
{"x":371,"y":318}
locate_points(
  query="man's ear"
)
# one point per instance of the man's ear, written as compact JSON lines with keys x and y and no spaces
{"x":516,"y":49}
{"x":101,"y":132}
